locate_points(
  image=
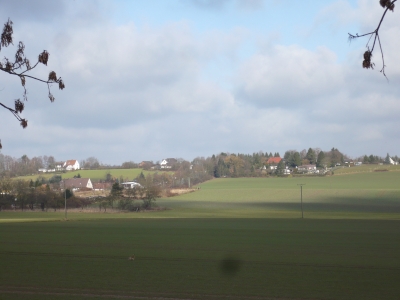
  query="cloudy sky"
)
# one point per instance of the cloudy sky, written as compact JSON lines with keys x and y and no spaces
{"x":151,"y":79}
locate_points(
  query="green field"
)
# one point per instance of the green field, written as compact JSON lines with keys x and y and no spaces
{"x":94,"y":175}
{"x":231,"y":239}
{"x":360,"y":196}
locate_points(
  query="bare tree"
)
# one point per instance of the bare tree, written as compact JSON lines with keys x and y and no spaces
{"x":374,"y":37}
{"x":21,"y":67}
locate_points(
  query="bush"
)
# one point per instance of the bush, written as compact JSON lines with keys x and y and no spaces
{"x":128,"y":205}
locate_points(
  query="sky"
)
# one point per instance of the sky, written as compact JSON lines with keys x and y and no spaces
{"x":153,"y":79}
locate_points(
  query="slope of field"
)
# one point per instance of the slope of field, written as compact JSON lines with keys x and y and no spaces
{"x":92,"y":174}
{"x":201,"y":259}
{"x":372,"y":195}
{"x":365,"y":168}
{"x":364,"y":195}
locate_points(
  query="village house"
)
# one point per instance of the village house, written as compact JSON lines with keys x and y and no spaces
{"x":71,"y":165}
{"x":392,"y":162}
{"x":307,"y":169}
{"x":77,"y":184}
{"x":167,"y":163}
{"x":59,"y":166}
{"x":101,"y":186}
{"x":274,"y":160}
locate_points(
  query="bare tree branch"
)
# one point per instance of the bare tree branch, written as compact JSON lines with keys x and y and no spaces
{"x":22,"y":63}
{"x":367,"y":63}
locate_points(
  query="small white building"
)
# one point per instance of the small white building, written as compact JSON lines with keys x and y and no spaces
{"x":71,"y":165}
{"x":307,"y":169}
{"x":43,"y":170}
{"x":131,"y":185}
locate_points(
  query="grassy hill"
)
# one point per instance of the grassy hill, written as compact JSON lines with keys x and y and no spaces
{"x":364,"y":195}
{"x":94,"y":175}
{"x":370,"y":195}
{"x":365,"y":169}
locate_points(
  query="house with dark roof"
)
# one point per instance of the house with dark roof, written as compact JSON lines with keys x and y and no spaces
{"x":168,"y":163}
{"x":77,"y":183}
{"x":101,"y":186}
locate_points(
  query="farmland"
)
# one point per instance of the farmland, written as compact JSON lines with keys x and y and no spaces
{"x":95,"y":175}
{"x":231,"y":239}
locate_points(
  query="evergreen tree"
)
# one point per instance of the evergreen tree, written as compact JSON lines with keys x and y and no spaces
{"x":371,"y":159}
{"x":280,"y":167}
{"x":387,"y":159}
{"x":287,"y":154}
{"x":68,"y":193}
{"x":311,"y":156}
{"x":216,"y":172}
{"x":295,"y":159}
{"x":116,"y":190}
{"x":320,"y":159}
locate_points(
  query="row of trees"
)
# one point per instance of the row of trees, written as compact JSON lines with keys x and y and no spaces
{"x":374,"y":159}
{"x":10,"y":166}
{"x":245,"y":165}
{"x":39,"y":195}
{"x":29,"y":195}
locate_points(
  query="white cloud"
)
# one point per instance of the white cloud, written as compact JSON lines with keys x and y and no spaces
{"x":285,"y":76}
{"x":147,"y":92}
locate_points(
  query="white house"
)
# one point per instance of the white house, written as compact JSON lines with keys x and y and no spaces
{"x":167,"y":163}
{"x":392,"y":162}
{"x":307,"y":168}
{"x":77,"y":183}
{"x":71,"y":165}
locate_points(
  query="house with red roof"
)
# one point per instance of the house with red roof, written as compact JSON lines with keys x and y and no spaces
{"x":274,"y":160}
{"x":71,"y":165}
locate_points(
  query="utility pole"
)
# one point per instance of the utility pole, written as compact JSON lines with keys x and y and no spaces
{"x":65,"y":198}
{"x":301,"y":198}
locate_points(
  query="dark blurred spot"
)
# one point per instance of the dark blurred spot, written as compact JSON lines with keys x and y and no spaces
{"x":230,"y":266}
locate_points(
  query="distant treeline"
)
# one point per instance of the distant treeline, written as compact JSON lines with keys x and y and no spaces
{"x":224,"y":164}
